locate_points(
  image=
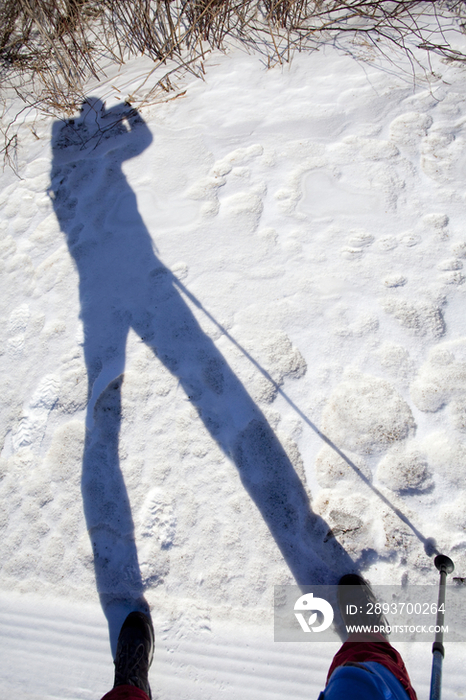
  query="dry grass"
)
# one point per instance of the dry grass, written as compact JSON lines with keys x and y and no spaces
{"x":50,"y":48}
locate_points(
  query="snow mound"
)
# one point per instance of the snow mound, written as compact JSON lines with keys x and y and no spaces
{"x":404,"y":469}
{"x":442,"y":381}
{"x":446,"y":456}
{"x":395,"y":360}
{"x":366,"y":414}
{"x":409,"y":128}
{"x":422,"y":318}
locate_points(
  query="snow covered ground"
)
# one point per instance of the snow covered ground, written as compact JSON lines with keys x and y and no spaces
{"x":263,"y":282}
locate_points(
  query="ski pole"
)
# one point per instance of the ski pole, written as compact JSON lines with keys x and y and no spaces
{"x":445,"y":565}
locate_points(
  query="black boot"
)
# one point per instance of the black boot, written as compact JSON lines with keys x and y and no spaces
{"x":359,"y":606}
{"x":135,"y":651}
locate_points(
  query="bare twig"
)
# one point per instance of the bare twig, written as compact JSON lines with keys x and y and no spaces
{"x":50,"y":48}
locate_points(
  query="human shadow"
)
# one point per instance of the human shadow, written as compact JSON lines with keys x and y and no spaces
{"x":123,"y":285}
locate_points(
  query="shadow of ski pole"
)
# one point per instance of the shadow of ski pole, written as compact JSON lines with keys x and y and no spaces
{"x":428,"y":543}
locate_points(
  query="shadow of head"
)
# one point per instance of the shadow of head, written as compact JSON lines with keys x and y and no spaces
{"x":94,"y":111}
{"x":97,"y":127}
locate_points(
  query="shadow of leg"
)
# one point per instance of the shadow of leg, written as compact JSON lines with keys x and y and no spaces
{"x":241,"y":430}
{"x":271,"y":481}
{"x":108,"y":515}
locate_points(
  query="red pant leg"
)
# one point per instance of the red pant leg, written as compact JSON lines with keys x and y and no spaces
{"x":126,"y":692}
{"x":373,"y":647}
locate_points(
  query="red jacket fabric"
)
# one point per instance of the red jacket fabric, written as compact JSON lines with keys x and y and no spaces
{"x":126,"y":692}
{"x":373,"y":647}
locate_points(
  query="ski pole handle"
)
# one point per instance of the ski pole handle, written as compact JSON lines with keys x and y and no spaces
{"x":445,"y":565}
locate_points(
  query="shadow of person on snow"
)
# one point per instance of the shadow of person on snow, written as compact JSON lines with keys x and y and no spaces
{"x":123,"y":285}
